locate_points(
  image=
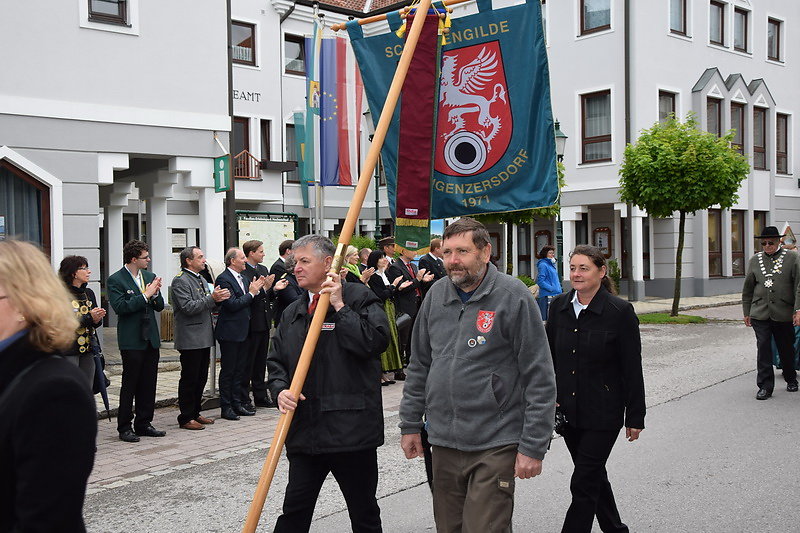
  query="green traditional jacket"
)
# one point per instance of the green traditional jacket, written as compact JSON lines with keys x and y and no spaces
{"x":772,"y":286}
{"x":136,"y":317}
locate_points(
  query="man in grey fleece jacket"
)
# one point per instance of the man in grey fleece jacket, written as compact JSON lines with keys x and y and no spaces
{"x":482,"y":374}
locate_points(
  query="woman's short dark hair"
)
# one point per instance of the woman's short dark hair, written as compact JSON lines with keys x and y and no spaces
{"x":599,"y":260}
{"x":69,"y":266}
{"x":133,"y":249}
{"x":545,"y":249}
{"x":372,"y":260}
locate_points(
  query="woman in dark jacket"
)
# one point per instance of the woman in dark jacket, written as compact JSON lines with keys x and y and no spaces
{"x":597,"y":354}
{"x":48,"y":418}
{"x":385,"y":289}
{"x":74,"y":271}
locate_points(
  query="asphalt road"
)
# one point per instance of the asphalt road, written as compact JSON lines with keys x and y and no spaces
{"x":711,"y":459}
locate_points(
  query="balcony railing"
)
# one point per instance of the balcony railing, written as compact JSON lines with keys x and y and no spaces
{"x":246,"y":166}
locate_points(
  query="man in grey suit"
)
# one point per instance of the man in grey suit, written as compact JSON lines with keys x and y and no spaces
{"x":193,"y":302}
{"x":771,"y":303}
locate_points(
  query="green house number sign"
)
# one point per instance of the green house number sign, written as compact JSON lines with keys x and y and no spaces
{"x":222,"y":173}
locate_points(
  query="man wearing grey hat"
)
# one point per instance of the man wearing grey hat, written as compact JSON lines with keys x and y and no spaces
{"x":771,"y":304}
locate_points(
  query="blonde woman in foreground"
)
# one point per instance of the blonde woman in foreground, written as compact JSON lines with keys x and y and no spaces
{"x":48,"y":419}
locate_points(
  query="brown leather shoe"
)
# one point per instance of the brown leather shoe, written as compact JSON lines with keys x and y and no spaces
{"x":204,"y":420}
{"x":193,"y":424}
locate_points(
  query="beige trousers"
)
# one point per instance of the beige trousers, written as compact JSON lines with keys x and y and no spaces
{"x":473,"y":492}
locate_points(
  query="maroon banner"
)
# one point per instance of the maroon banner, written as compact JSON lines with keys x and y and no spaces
{"x":416,"y":140}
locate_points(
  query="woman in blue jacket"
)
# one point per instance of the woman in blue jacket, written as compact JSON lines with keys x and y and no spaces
{"x":547,"y":279}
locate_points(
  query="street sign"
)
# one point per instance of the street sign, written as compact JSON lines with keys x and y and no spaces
{"x":222,"y":173}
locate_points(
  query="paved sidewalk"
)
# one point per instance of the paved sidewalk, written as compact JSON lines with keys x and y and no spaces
{"x":118,"y":463}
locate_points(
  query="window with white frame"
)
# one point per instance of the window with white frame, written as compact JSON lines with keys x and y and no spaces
{"x":595,"y":15}
{"x":737,"y":125}
{"x":774,"y":28}
{"x":294,"y":54}
{"x":596,"y":127}
{"x":759,"y":138}
{"x":716,"y":23}
{"x":243,"y":43}
{"x":677,"y":17}
{"x":782,"y":143}
{"x":714,"y":116}
{"x":740,"y":37}
{"x":666,"y":105}
{"x":108,"y":11}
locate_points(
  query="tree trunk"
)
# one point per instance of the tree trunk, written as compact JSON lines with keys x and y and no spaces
{"x":679,"y":264}
{"x":509,"y":249}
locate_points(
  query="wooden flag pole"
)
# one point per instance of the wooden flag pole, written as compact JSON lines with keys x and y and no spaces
{"x":271,"y":462}
{"x":402,"y":12}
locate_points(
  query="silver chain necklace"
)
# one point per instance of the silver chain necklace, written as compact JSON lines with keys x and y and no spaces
{"x":776,"y":267}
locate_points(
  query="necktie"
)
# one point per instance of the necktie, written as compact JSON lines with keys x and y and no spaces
{"x":413,"y":276}
{"x":241,"y":282}
{"x":313,"y":305}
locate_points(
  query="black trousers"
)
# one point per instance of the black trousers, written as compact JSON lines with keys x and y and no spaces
{"x":591,"y":492}
{"x":256,"y":366}
{"x":139,"y":375}
{"x":233,"y":360}
{"x":784,"y":338}
{"x":357,"y":476}
{"x":194,"y":374}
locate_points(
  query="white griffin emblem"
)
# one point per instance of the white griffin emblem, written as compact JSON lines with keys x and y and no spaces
{"x":459,"y":91}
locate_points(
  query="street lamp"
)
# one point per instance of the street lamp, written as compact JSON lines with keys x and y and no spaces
{"x":561,"y":141}
{"x":376,"y":178}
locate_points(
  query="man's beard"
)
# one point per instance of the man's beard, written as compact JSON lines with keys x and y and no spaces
{"x":467,"y":279}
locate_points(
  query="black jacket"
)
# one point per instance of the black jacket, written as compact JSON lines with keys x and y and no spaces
{"x":598,"y":362}
{"x":234,"y":313}
{"x":286,"y":296}
{"x":278,"y":268}
{"x":343,"y":409}
{"x":83,"y":301}
{"x":261,"y":308}
{"x":431,"y":265}
{"x":406,"y":300}
{"x":47,"y":439}
{"x":381,"y":290}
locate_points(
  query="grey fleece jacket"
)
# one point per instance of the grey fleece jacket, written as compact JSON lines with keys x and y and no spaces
{"x":481,"y":372}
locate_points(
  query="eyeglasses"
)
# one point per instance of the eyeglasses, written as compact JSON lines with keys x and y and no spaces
{"x":84,"y":268}
{"x":145,"y":258}
{"x":767,"y":243}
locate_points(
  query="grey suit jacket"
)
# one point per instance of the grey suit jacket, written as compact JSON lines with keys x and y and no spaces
{"x":192,"y":306}
{"x":782,"y":299}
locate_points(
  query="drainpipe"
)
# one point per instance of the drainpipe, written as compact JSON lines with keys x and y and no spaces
{"x":283,"y":128}
{"x":231,"y":232}
{"x":632,"y":289}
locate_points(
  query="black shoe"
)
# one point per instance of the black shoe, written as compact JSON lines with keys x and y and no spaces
{"x":791,"y":387}
{"x":249,"y":406}
{"x":763,"y":394}
{"x":150,"y":431}
{"x":263,"y":403}
{"x":400,"y":376}
{"x":228,"y":414}
{"x":128,"y":436}
{"x":242,"y":410}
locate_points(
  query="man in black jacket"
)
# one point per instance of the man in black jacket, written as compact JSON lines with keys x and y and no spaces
{"x":339,"y":421}
{"x":260,"y":322}
{"x":284,"y":253}
{"x":432,"y":261}
{"x":233,"y":326}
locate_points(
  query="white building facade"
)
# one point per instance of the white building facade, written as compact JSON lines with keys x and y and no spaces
{"x":733,"y":64}
{"x":112,"y":135}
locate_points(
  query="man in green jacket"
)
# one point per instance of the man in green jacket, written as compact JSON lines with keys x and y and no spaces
{"x":771,"y":303}
{"x":134,"y":294}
